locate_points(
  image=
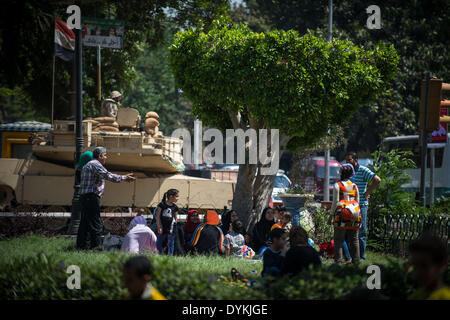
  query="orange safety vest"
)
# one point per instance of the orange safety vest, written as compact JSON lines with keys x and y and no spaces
{"x":348,"y":213}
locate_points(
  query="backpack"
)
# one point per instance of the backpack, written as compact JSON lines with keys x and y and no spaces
{"x":348,"y":212}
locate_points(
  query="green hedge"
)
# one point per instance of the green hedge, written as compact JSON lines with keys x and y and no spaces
{"x":44,"y":277}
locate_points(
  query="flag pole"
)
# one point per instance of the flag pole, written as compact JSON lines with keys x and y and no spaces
{"x":53,"y":87}
{"x":53,"y":74}
{"x":99,"y":74}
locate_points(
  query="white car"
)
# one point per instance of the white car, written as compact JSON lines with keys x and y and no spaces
{"x":281,"y":185}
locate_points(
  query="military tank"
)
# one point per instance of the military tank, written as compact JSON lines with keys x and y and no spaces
{"x":46,"y":179}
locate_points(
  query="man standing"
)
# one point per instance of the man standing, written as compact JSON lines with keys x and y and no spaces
{"x":110,"y":105}
{"x":361,"y":178}
{"x":92,"y":187}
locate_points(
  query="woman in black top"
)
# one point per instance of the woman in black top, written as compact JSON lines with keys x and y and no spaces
{"x":262,"y":229}
{"x":301,"y":254}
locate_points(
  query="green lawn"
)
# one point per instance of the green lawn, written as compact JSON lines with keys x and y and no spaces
{"x":64,"y":249}
{"x":34,"y":267}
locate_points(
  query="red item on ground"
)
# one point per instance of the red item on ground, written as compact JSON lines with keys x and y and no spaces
{"x":328,"y":248}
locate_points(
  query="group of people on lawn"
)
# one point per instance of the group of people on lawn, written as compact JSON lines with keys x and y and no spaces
{"x":285,"y":249}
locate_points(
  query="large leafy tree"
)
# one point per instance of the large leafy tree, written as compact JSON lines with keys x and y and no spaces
{"x":417,"y":29}
{"x":300,"y":85}
{"x":26,"y":41}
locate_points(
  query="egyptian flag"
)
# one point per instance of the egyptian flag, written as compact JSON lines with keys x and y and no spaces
{"x":64,"y":41}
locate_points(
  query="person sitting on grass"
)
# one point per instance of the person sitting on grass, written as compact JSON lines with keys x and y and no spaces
{"x":274,"y":256}
{"x":192,"y":222}
{"x":284,"y":223}
{"x":429,"y":259}
{"x":140,"y":238}
{"x":278,"y":212}
{"x":234,"y":241}
{"x":137,"y":273}
{"x":208,"y":237}
{"x":261,"y":230}
{"x":138,"y":219}
{"x":227,"y":220}
{"x":301,"y":254}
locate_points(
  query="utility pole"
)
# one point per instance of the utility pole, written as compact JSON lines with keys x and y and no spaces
{"x":197,"y":143}
{"x":432,"y":119}
{"x":326,"y":178}
{"x":432,"y":163}
{"x":423,"y":151}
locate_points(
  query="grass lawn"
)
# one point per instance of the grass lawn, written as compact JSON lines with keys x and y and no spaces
{"x":27,"y":275}
{"x":64,"y":249}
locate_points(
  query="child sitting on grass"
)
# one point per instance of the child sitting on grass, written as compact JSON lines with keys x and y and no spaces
{"x":137,"y":273}
{"x":429,"y":259}
{"x":274,"y":255}
{"x":234,"y":240}
{"x":285,"y":222}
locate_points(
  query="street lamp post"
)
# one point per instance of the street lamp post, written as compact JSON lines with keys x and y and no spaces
{"x":76,"y":205}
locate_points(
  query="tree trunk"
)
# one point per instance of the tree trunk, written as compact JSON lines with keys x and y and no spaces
{"x":262,"y":191}
{"x":253,"y":190}
{"x":243,"y":195}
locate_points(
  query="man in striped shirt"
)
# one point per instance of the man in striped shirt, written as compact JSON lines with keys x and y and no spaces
{"x":92,"y":187}
{"x":361,"y":178}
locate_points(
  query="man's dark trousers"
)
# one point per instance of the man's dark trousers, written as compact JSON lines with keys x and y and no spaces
{"x":90,"y":223}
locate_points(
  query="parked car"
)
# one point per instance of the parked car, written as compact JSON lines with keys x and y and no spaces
{"x":365,"y":162}
{"x":281,"y":185}
{"x":226,"y":166}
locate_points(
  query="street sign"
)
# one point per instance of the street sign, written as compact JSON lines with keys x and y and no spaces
{"x":102,"y":32}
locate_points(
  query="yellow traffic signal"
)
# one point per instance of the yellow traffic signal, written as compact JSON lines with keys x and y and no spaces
{"x":435,"y":103}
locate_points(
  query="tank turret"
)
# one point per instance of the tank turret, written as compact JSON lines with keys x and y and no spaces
{"x":128,"y":147}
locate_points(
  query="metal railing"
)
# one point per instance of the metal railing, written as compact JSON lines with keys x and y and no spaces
{"x":394,"y":232}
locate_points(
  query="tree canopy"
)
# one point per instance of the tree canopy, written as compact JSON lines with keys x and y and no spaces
{"x":301,"y":85}
{"x":417,"y":29}
{"x":278,"y":79}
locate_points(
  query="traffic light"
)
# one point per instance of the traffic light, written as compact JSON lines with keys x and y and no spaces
{"x":434,"y":105}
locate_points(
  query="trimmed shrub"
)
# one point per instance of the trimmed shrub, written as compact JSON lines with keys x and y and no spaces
{"x":44,"y":277}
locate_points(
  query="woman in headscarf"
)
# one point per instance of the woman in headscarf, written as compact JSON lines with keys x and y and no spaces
{"x":227,"y":220}
{"x":261,"y":230}
{"x":208,"y":237}
{"x":192,"y":222}
{"x":85,"y":158}
{"x":139,"y":219}
{"x":140,"y":238}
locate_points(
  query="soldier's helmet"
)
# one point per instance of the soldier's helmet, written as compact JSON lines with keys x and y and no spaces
{"x":115,"y":94}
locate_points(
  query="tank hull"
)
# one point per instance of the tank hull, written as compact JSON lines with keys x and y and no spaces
{"x":40,"y":183}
